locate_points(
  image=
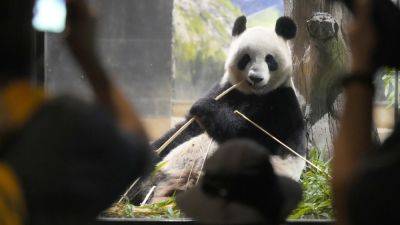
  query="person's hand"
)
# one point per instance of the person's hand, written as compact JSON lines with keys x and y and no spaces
{"x":81,"y":29}
{"x":80,"y":36}
{"x":363,"y":39}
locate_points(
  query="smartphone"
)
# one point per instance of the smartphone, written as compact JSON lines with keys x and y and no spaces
{"x":50,"y":15}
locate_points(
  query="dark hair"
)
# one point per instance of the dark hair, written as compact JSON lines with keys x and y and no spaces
{"x":15,"y":38}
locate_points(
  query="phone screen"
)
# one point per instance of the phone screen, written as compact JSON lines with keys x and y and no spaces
{"x":49,"y":15}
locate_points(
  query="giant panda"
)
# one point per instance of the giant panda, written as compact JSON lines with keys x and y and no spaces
{"x":261,"y":58}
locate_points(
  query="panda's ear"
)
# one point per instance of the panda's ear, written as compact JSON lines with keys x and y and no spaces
{"x":240,"y":26}
{"x":286,"y":28}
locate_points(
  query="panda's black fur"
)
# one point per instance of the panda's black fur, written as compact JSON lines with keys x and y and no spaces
{"x":277,"y":111}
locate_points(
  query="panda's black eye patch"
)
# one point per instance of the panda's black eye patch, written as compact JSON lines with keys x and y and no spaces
{"x":243,"y":62}
{"x":272,"y":63}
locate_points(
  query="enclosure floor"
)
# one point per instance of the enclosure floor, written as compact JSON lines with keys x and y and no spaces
{"x":191,"y":222}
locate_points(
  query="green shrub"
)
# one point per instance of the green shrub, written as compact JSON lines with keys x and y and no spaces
{"x":162,"y":210}
{"x":317,"y":195}
{"x":389,"y":84}
{"x":316,"y":204}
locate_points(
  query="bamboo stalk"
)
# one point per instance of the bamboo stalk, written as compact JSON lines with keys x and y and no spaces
{"x":148,"y":196}
{"x":227,"y":91}
{"x":190,"y":175}
{"x":174,"y":136}
{"x":188,"y":123}
{"x":127,"y":191}
{"x":280,"y":142}
{"x":204,"y":161}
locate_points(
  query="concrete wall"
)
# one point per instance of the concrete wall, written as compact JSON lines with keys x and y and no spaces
{"x":135,"y":41}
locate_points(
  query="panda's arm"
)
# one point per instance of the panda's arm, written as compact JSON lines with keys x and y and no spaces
{"x":290,"y":128}
{"x":218,"y":119}
{"x":193,"y":130}
{"x":297,"y":141}
{"x":294,"y":124}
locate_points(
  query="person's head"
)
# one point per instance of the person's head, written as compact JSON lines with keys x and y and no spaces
{"x":15,"y":39}
{"x":235,"y":168}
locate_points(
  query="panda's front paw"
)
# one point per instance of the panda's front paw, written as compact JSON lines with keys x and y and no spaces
{"x":203,"y":108}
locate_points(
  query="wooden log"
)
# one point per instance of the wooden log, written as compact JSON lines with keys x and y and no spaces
{"x":320,"y":56}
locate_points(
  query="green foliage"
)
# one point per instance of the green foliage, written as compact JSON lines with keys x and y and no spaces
{"x":389,"y":84}
{"x":159,"y":167}
{"x":265,"y":18}
{"x":227,"y":4}
{"x":202,"y":30}
{"x":317,"y":195}
{"x":316,"y":204}
{"x":162,"y":210}
{"x":202,"y":34}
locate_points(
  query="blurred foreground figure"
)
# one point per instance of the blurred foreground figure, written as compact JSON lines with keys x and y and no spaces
{"x":62,"y":161}
{"x":241,"y":187}
{"x":366,"y":180}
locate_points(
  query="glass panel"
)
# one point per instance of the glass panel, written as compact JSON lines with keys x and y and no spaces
{"x":167,"y":54}
{"x":385,"y":104}
{"x":135,"y":44}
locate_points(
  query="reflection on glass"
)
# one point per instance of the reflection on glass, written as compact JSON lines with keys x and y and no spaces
{"x":200,"y":41}
{"x":50,"y":15}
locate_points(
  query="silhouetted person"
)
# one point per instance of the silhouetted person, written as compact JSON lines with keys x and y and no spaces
{"x":62,"y":161}
{"x":240,"y":187}
{"x":366,"y":180}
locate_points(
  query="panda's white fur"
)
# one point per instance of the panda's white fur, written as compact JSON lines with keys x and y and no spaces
{"x":189,"y":157}
{"x":291,"y":166}
{"x":183,"y":166}
{"x":259,"y":41}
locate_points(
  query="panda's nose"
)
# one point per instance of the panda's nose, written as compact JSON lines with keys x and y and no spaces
{"x":255,"y":79}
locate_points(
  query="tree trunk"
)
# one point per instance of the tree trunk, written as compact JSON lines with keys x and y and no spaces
{"x":320,"y":56}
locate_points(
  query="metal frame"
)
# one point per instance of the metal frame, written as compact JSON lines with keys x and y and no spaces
{"x":396,"y":94}
{"x":396,"y":91}
{"x":38,"y":71}
{"x":192,"y":222}
{"x":38,"y":77}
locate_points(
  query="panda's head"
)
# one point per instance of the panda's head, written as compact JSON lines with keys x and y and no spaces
{"x":260,"y":57}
